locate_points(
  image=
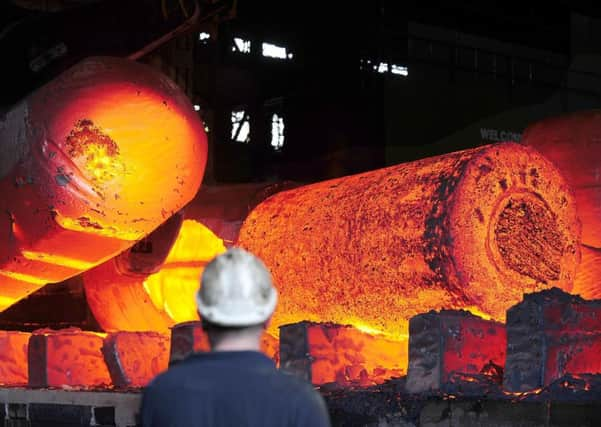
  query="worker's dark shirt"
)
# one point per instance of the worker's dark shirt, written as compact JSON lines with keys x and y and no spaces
{"x":231,"y":389}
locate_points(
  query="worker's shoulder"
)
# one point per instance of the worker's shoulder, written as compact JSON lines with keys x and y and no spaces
{"x":171,"y":377}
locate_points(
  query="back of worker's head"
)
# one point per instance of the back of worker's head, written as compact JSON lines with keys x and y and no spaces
{"x":236,"y":293}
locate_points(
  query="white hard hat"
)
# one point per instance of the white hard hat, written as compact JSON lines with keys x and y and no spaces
{"x":236,"y":290}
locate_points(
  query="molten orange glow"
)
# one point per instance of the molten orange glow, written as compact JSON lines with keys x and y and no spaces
{"x":13,"y":290}
{"x":13,"y":358}
{"x":127,"y":302}
{"x":172,"y":289}
{"x":588,"y":276}
{"x":68,"y":357}
{"x":57,"y":260}
{"x":473,"y":229}
{"x":93,"y":161}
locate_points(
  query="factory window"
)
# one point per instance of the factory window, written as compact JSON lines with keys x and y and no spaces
{"x":382,"y":67}
{"x":400,"y":70}
{"x":274,"y":51}
{"x":204,"y":37}
{"x":241,"y":45}
{"x":277,"y":131}
{"x":240,"y":126}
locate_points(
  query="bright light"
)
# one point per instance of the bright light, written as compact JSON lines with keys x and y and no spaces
{"x":196,"y":107}
{"x":382,"y":68}
{"x":400,"y":70}
{"x":241,"y":45}
{"x":204,"y":36}
{"x":240,"y":126}
{"x":277,"y":132}
{"x":274,"y":51}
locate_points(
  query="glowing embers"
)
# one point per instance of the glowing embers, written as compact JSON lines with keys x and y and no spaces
{"x":13,"y":358}
{"x":551,"y":334}
{"x":329,"y":353}
{"x":450,"y":347}
{"x":67,"y":358}
{"x":440,"y":233}
{"x":135,"y":358}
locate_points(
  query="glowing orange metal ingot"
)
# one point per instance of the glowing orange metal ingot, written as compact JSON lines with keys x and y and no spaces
{"x":13,"y":358}
{"x":473,"y":229}
{"x":326,"y":353}
{"x":188,"y":338}
{"x":135,"y":358}
{"x":69,"y":357}
{"x":573,"y":143}
{"x":92,"y":162}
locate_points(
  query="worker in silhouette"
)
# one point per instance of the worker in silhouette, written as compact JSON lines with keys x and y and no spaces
{"x":234,"y":385}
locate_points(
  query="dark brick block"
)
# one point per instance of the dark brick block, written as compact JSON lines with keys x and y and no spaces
{"x":572,"y":414}
{"x":17,"y":411}
{"x":498,"y":414}
{"x":17,"y":423}
{"x":436,"y":414}
{"x":104,"y":416}
{"x":44,"y":413}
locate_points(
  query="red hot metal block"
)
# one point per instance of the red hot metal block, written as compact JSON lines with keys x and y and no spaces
{"x":13,"y":358}
{"x":450,"y":342}
{"x":67,"y":358}
{"x":329,"y":353}
{"x":135,"y":358}
{"x":189,"y":337}
{"x":551,"y":334}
